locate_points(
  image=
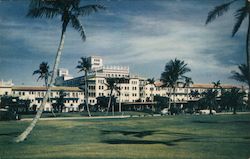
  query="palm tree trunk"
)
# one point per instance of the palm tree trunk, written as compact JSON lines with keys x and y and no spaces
{"x":113,"y":109}
{"x":87,"y":93}
{"x":174,"y":97}
{"x":169,"y":101}
{"x":248,"y":55}
{"x":111,"y":91}
{"x":28,"y":130}
{"x":120,"y":105}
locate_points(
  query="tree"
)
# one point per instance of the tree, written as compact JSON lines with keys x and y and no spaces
{"x":240,"y":14}
{"x":187,"y":83}
{"x":85,"y":66}
{"x":69,"y":11}
{"x":151,"y":82}
{"x":233,"y":98}
{"x":43,"y":73}
{"x":111,"y":84}
{"x":209,"y":99}
{"x":60,"y":101}
{"x":217,"y":84}
{"x":242,"y":76}
{"x":173,"y":75}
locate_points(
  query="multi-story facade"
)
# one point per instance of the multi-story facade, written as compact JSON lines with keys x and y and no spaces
{"x":132,"y":89}
{"x":74,"y":96}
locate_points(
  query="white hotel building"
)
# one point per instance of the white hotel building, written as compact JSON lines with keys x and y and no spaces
{"x":133,"y":90}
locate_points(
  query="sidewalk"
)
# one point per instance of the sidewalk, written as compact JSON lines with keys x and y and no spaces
{"x":76,"y":118}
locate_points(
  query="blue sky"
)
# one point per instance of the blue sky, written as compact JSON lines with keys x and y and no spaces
{"x":141,"y":34}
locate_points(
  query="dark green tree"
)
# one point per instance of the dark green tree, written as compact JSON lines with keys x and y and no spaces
{"x":210,"y":99}
{"x":69,"y":12}
{"x":111,"y":84}
{"x":233,"y":98}
{"x":60,"y":100}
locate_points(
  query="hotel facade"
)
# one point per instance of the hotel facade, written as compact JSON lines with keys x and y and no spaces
{"x":133,"y":89}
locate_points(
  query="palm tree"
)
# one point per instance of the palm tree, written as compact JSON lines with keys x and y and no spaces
{"x":111,"y":83}
{"x":187,"y":83}
{"x":85,"y":66}
{"x":43,"y":72}
{"x":242,"y":76}
{"x":151,"y":81}
{"x":240,"y":14}
{"x":173,"y":75}
{"x":217,"y":84}
{"x":60,"y":101}
{"x":69,"y":11}
{"x":209,"y":97}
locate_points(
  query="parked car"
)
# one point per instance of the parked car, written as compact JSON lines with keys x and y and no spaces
{"x":164,"y":111}
{"x":206,"y":111}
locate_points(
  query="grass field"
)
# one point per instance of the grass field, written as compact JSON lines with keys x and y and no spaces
{"x":175,"y":137}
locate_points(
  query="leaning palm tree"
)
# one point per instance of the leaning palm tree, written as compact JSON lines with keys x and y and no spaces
{"x":173,"y":75}
{"x":111,"y":84}
{"x":69,"y":11}
{"x":85,"y":66}
{"x":242,"y":13}
{"x":242,"y":76}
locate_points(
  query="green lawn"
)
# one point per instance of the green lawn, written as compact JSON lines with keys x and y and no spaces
{"x":184,"y":136}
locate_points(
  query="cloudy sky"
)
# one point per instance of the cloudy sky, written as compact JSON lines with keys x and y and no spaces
{"x":141,"y":34}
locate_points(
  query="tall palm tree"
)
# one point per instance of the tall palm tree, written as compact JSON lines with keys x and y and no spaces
{"x":111,"y":84}
{"x":43,"y":73}
{"x":173,"y":75}
{"x":84,"y":65}
{"x":242,"y":76}
{"x":242,"y":13}
{"x":69,"y":11}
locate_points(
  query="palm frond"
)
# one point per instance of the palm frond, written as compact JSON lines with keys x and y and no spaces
{"x":78,"y":26}
{"x":36,"y":72}
{"x":218,"y":11}
{"x":240,"y":15}
{"x":88,"y":9}
{"x":242,"y":75}
{"x":238,"y":77}
{"x":43,"y":12}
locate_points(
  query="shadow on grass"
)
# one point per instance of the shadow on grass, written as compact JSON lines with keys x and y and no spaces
{"x":139,"y":134}
{"x":147,"y":142}
{"x":10,"y":134}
